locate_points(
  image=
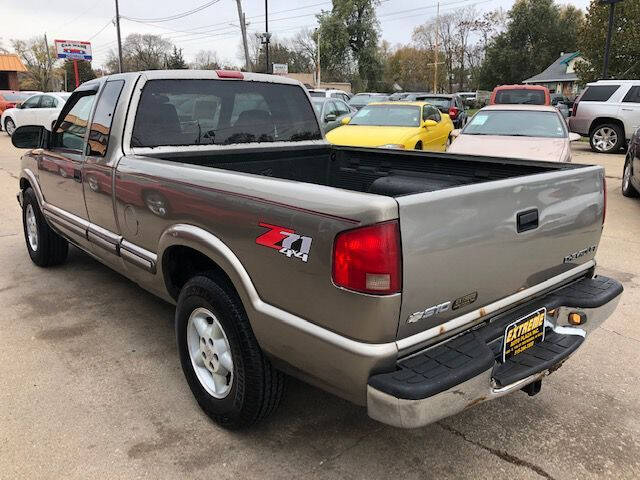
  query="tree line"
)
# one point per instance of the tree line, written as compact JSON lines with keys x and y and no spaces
{"x":471,"y":50}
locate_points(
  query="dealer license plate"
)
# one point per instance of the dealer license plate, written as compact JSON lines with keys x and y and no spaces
{"x":523,"y":334}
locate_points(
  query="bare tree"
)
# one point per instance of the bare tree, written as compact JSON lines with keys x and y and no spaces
{"x":141,"y":52}
{"x":206,"y":60}
{"x":33,"y":54}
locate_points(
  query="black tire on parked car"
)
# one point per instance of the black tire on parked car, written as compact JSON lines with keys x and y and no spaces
{"x":251,"y":388}
{"x":9,"y":126}
{"x":606,"y":138}
{"x":46,"y":248}
{"x":628,"y":190}
{"x":418,"y":146}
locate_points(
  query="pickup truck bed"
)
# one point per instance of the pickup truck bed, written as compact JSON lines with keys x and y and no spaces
{"x":399,"y":280}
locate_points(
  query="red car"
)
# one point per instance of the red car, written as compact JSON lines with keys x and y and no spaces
{"x":520,"y":94}
{"x":11,"y":98}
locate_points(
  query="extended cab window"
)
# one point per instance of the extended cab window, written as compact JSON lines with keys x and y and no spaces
{"x":222,"y":112}
{"x":70,"y":132}
{"x":599,"y":93}
{"x":102,"y":118}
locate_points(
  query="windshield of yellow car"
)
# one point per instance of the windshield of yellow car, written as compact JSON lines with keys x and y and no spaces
{"x":387,"y":116}
{"x":516,"y":123}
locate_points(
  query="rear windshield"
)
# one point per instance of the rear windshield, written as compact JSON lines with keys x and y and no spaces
{"x":222,"y":112}
{"x":440,"y":102}
{"x":599,"y":93}
{"x":387,"y":116}
{"x":517,"y":123}
{"x":16,"y":97}
{"x":520,"y":96}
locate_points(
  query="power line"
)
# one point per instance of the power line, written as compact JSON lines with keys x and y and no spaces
{"x":101,"y":30}
{"x":176,"y":16}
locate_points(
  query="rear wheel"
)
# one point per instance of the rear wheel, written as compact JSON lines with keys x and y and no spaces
{"x":231,"y":379}
{"x":46,"y":248}
{"x":628,"y":190}
{"x":9,"y":126}
{"x":607,"y":138}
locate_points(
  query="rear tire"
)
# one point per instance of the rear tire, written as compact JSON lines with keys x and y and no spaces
{"x":46,"y":248}
{"x":9,"y":126}
{"x":239,"y":387}
{"x":628,"y":190}
{"x":607,"y":138}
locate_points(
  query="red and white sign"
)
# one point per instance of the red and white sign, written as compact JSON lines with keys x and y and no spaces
{"x":73,"y":49}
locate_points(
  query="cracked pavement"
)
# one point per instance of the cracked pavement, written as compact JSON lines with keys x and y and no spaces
{"x":91,"y":387}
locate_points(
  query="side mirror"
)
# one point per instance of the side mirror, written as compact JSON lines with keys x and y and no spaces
{"x":455,"y":133}
{"x":19,"y":105}
{"x":573,"y":137}
{"x":429,"y":123}
{"x":329,"y":117}
{"x":29,"y":136}
{"x":345,"y":120}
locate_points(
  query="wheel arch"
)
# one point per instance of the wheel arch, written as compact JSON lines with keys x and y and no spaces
{"x":601,"y":120}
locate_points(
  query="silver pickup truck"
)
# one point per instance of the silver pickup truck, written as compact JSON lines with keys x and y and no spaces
{"x":417,"y":284}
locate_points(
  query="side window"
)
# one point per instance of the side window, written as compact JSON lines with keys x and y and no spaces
{"x":431,"y":113}
{"x":47,"y":102}
{"x":101,"y":125}
{"x":70,"y":132}
{"x":633,"y":95}
{"x":599,"y":93}
{"x":331,"y":109}
{"x":32,"y":102}
{"x":342,"y":107}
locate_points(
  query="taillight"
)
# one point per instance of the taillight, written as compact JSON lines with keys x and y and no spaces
{"x":574,"y":110}
{"x":604,"y":206}
{"x":367,"y":259}
{"x":453,"y":112}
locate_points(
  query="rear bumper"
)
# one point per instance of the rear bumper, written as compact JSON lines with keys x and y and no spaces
{"x":459,"y":373}
{"x":579,"y":125}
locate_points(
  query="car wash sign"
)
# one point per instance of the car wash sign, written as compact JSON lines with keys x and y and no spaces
{"x":73,"y":49}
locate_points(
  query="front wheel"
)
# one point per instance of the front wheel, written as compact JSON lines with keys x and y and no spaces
{"x":9,"y":126}
{"x":628,"y":190}
{"x":607,"y":138}
{"x":231,"y":379}
{"x":46,"y":248}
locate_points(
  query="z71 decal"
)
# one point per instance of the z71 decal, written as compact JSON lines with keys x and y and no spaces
{"x":286,"y":241}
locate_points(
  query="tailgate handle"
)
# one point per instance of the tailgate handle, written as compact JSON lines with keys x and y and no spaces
{"x":527,"y":220}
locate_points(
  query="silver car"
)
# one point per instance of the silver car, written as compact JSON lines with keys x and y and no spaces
{"x":608,"y":112}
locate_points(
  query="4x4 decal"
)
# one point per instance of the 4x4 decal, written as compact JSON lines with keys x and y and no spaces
{"x":286,"y":241}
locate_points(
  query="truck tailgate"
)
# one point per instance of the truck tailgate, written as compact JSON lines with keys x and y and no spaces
{"x":462,"y":245}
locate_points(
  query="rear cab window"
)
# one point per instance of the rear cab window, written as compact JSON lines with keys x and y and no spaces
{"x":222,"y":112}
{"x":515,"y":96}
{"x":598,"y":93}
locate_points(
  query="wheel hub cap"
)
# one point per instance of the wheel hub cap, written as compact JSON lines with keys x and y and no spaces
{"x":605,"y":139}
{"x":32,"y":228}
{"x":210,"y":352}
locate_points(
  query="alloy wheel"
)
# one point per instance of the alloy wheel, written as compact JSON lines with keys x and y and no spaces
{"x":32,"y":228}
{"x":605,"y":138}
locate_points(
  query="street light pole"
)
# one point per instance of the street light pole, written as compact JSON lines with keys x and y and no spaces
{"x":607,"y":46}
{"x":119,"y":40}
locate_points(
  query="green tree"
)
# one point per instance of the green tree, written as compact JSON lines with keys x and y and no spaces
{"x":624,"y":58}
{"x":85,"y":73}
{"x":349,"y":43}
{"x":537,"y":32}
{"x":175,"y":61}
{"x":410,"y":68}
{"x":33,"y":54}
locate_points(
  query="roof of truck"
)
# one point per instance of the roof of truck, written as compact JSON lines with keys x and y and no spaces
{"x":203,"y":75}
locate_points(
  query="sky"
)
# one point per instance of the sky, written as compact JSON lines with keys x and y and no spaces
{"x":213,"y":28}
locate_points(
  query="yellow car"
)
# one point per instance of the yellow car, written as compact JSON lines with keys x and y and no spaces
{"x":408,"y":125}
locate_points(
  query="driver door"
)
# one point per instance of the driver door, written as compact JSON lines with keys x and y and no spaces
{"x":432,"y":137}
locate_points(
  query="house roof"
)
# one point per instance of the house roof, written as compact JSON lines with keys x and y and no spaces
{"x":10,"y":62}
{"x":557,"y":71}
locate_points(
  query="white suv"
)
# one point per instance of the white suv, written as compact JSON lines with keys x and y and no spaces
{"x":608,"y":112}
{"x":330,"y":93}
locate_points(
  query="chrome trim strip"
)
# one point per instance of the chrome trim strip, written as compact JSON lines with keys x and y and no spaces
{"x":62,"y":223}
{"x":101,"y":242}
{"x":138,"y":256}
{"x":64,"y":215}
{"x":406,"y":344}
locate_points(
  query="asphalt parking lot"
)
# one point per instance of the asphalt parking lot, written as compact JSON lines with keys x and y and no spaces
{"x":91,"y":387}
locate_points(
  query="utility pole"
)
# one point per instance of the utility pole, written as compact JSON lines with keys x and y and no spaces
{"x":318,"y":59}
{"x":243,"y":29}
{"x":607,"y":46}
{"x":119,"y":40}
{"x":435,"y":50}
{"x":46,"y":47}
{"x":267,"y":35}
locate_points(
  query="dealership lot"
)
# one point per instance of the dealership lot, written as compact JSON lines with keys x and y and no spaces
{"x":90,"y":386}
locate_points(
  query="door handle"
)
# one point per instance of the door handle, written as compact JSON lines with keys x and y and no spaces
{"x":527,"y":220}
{"x":77,"y":175}
{"x":628,"y":109}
